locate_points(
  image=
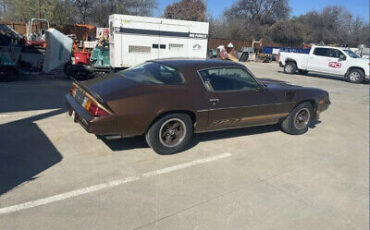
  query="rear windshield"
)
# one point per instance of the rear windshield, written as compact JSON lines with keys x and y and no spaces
{"x":154,"y":73}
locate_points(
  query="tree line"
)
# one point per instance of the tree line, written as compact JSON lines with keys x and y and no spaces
{"x":270,"y":20}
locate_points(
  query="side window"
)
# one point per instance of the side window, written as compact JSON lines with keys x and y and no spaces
{"x":337,"y":54}
{"x":224,"y":79}
{"x":322,"y":52}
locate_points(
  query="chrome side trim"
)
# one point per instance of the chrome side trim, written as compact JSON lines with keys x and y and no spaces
{"x":237,"y":107}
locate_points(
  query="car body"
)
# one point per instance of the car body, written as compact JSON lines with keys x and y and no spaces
{"x":328,"y":60}
{"x":130,"y":102}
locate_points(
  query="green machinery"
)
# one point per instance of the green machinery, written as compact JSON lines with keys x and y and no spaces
{"x":98,"y":65}
{"x":10,"y":50}
{"x":100,"y":57}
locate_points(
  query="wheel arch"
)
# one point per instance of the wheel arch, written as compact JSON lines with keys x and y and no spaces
{"x":354,"y":67}
{"x":160,"y":115}
{"x":290,"y":60}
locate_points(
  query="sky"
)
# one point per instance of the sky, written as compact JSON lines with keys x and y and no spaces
{"x":356,"y":7}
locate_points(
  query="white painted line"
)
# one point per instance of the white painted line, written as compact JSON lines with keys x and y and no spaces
{"x":186,"y":165}
{"x":79,"y":192}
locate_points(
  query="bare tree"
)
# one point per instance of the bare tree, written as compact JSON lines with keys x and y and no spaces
{"x":260,"y":11}
{"x":194,"y":10}
{"x":333,"y":25}
{"x":84,"y":9}
{"x":104,"y":8}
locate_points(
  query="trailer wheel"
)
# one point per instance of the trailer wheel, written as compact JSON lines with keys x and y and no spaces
{"x":290,"y":67}
{"x":68,"y":69}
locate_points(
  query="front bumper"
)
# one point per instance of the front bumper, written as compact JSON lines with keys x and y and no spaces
{"x":322,"y":105}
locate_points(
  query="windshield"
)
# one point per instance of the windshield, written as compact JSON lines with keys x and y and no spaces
{"x":154,"y":73}
{"x":351,"y":54}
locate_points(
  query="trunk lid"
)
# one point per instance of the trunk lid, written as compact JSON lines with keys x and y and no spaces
{"x":108,"y":88}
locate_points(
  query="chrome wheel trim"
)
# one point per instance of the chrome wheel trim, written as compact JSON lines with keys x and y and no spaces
{"x":176,"y":135}
{"x":301,"y":118}
{"x":354,"y":76}
{"x":289,"y":68}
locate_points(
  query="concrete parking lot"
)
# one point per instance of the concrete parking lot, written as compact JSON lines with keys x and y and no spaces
{"x":54,"y":175}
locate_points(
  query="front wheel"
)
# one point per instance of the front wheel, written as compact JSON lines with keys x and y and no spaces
{"x":356,"y":76}
{"x":170,"y":134}
{"x":290,"y":68}
{"x":298,"y":120}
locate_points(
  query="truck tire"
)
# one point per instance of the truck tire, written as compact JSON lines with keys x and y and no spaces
{"x":290,"y":68}
{"x":355,"y":76}
{"x":170,"y":134}
{"x":298,"y":120}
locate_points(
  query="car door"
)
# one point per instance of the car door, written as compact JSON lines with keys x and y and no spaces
{"x":236,"y":99}
{"x":319,"y":60}
{"x":339,"y":63}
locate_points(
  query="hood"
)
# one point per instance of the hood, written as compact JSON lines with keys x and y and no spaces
{"x":108,"y":88}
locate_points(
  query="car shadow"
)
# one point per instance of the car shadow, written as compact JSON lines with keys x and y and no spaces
{"x":125,"y":143}
{"x":139,"y":142}
{"x":25,"y":151}
{"x":225,"y":134}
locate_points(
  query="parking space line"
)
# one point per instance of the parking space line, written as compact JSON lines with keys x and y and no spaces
{"x":111,"y":184}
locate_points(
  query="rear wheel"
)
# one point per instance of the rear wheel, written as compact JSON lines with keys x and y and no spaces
{"x":356,"y":76}
{"x":290,"y":68}
{"x":170,"y":134}
{"x":298,"y":120}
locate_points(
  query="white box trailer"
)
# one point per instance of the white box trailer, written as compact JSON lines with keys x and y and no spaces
{"x":133,"y":39}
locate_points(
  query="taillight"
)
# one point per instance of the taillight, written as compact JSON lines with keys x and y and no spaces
{"x":96,"y":111}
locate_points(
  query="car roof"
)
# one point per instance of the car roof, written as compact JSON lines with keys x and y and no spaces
{"x":196,"y":63}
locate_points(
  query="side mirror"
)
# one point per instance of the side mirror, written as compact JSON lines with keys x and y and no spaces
{"x":259,"y":88}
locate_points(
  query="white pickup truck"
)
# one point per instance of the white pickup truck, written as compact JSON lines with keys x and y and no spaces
{"x":328,"y":60}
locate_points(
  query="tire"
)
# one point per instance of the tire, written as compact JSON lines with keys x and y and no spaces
{"x":290,"y":68}
{"x":355,"y":76}
{"x":163,"y":138}
{"x":68,"y":69}
{"x":304,"y":72}
{"x":297,"y":121}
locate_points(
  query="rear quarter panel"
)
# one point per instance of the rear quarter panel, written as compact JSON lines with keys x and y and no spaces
{"x":138,"y":107}
{"x":300,"y":59}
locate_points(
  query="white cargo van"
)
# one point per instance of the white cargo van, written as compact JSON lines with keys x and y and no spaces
{"x":133,"y":39}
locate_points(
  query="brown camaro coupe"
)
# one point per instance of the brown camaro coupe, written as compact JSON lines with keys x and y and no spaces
{"x":168,"y":100}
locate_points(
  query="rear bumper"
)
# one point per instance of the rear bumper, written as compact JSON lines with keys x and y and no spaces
{"x":95,"y":125}
{"x":81,"y":115}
